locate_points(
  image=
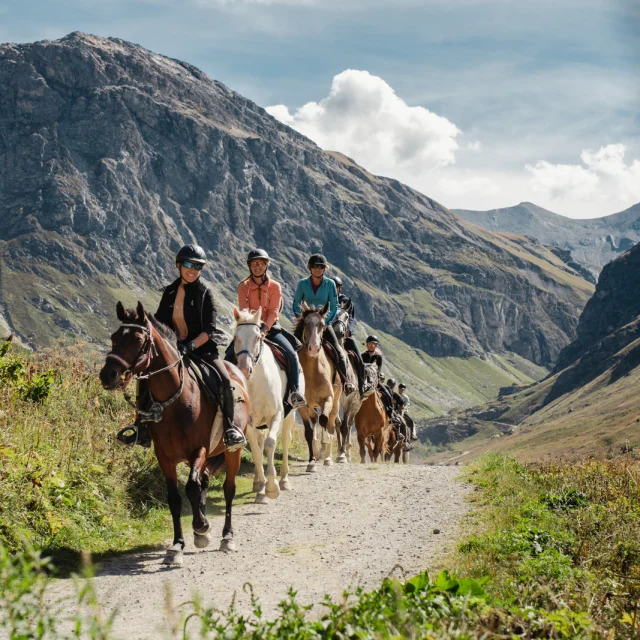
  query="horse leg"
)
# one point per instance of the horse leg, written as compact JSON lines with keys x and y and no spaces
{"x":273,"y":490}
{"x":341,"y":456}
{"x":174,"y":553}
{"x":308,"y":436}
{"x":361,"y":443}
{"x":232,"y":462}
{"x":287,"y":427}
{"x":201,"y":526}
{"x":256,"y":442}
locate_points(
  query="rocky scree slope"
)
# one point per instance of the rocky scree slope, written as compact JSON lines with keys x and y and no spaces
{"x":111,"y":157}
{"x":587,"y":244}
{"x":595,"y":375}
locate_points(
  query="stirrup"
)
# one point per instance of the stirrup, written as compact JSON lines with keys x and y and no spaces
{"x":233,"y":438}
{"x":296,"y":400}
{"x":131,"y":434}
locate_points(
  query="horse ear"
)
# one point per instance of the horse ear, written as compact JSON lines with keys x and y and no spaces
{"x":257,"y":316}
{"x":142,"y":316}
{"x":120,"y":311}
{"x":304,"y":306}
{"x":236,"y":314}
{"x":324,"y":309}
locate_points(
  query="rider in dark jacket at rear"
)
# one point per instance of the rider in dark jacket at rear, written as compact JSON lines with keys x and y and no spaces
{"x":373,"y":354}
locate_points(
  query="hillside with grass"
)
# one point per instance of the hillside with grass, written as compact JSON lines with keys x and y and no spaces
{"x":588,"y":405}
{"x":122,"y":155}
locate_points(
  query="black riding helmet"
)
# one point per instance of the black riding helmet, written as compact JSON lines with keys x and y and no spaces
{"x":192,"y":253}
{"x":317,"y":260}
{"x":372,"y":339}
{"x":337,"y":280}
{"x":391,"y":382}
{"x":258,"y":254}
{"x":402,"y":385}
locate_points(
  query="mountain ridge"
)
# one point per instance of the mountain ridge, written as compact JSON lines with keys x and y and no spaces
{"x":114,"y":156}
{"x":592,"y":242}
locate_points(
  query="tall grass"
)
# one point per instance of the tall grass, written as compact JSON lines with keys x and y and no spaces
{"x":65,"y":482}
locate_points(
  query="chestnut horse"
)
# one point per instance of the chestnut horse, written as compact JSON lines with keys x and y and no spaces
{"x":187,"y":424}
{"x":372,"y":427}
{"x":323,"y":386}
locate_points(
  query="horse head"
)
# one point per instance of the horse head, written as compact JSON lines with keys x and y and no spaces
{"x":130,"y":348}
{"x":341,"y":324}
{"x":247,"y":341}
{"x":313,"y":327}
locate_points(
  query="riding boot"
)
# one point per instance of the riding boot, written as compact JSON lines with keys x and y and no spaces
{"x":342,"y":365}
{"x":233,"y":436}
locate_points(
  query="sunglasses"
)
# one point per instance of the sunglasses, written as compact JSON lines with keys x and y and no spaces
{"x":318,"y":266}
{"x":187,"y":264}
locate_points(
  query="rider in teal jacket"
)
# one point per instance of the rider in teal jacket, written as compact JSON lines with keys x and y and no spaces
{"x":327,"y":292}
{"x":316,"y":291}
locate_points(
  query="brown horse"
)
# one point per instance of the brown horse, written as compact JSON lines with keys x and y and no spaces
{"x":372,"y":427}
{"x":188,"y":424}
{"x":398,"y":443}
{"x":323,"y":386}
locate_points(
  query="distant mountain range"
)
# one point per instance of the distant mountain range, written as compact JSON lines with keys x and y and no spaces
{"x":589,"y":404}
{"x":592,"y":243}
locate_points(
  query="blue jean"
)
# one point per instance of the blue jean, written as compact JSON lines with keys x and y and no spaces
{"x":293,"y":371}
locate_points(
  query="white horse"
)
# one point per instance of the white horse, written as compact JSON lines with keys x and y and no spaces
{"x":266,"y":384}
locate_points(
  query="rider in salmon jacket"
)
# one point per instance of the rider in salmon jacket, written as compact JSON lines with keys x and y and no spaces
{"x":260,"y":291}
{"x":316,"y":291}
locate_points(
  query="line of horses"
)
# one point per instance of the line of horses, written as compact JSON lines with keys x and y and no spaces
{"x":188,"y":424}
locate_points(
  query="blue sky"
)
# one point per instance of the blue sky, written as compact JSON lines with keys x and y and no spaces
{"x":477,"y":103}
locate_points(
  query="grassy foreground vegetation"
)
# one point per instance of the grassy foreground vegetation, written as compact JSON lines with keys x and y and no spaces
{"x":555,"y":551}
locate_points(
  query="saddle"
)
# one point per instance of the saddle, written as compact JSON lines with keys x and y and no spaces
{"x":278,"y":354}
{"x":206,"y":376}
{"x":281,"y":359}
{"x":332,"y":354}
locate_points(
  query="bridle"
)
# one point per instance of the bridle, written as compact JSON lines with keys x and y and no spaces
{"x":254,"y":359}
{"x":344,"y":323}
{"x":304,"y":330}
{"x":144,"y":357}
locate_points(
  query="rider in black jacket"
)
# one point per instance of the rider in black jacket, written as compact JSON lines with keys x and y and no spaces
{"x":349,"y":343}
{"x":188,"y":307}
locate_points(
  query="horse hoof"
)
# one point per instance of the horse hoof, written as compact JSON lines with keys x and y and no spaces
{"x":274,"y":492}
{"x":328,"y":462}
{"x":201,"y":540}
{"x":311,"y":468}
{"x":261,"y":499}
{"x":227,"y":545}
{"x":341,"y":459}
{"x":285,"y":485}
{"x":174,"y":555}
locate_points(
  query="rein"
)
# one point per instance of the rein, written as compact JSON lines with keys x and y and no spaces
{"x":254,"y":359}
{"x":155,"y":411}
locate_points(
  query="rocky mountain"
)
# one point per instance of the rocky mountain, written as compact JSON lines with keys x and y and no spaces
{"x":111,"y":157}
{"x":591,"y":243}
{"x":596,"y":378}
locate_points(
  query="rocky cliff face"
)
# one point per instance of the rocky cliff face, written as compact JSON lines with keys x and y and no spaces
{"x":614,"y":304}
{"x":111,"y":157}
{"x":589,"y":243}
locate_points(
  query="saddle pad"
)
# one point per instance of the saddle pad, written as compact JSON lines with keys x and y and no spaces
{"x":278,"y":354}
{"x":208,"y":378}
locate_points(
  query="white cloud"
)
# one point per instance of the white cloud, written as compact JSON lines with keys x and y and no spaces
{"x":364,"y":118}
{"x":603,"y":176}
{"x":476,"y":145}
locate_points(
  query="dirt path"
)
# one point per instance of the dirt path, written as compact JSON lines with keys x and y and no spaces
{"x":345,"y":525}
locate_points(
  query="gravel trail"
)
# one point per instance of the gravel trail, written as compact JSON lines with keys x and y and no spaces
{"x":343,"y":526}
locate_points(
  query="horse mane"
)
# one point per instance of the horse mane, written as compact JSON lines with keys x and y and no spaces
{"x":167,"y":333}
{"x":243,"y":316}
{"x":305,"y":313}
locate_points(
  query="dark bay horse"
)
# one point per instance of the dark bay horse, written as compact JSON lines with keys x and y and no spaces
{"x":188,"y":426}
